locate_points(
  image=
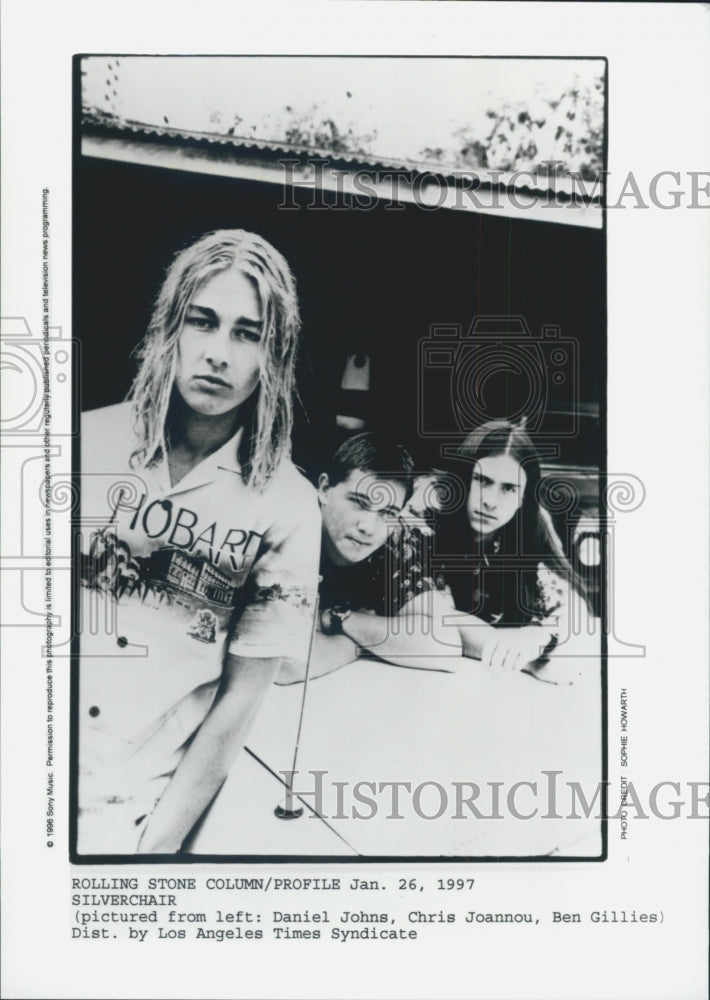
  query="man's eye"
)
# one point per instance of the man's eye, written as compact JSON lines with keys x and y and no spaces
{"x":199,"y":322}
{"x":248,"y":335}
{"x":509,"y":488}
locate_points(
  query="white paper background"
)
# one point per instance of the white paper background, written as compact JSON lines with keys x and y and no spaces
{"x":659,"y":78}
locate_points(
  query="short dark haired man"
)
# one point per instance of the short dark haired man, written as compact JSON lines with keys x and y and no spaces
{"x":370,"y":598}
{"x":364,"y":488}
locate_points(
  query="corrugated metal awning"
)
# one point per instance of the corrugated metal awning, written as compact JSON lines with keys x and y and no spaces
{"x":519,"y":194}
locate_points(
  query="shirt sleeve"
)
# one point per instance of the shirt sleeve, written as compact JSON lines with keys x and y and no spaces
{"x":409,"y":560}
{"x":280,"y":593}
{"x":553,"y":604}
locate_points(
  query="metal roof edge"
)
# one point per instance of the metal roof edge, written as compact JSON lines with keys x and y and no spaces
{"x":563,"y":187}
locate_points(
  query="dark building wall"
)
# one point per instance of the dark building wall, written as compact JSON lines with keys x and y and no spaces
{"x":369,"y":281}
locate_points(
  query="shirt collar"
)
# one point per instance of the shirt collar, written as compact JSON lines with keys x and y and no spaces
{"x":225,"y":457}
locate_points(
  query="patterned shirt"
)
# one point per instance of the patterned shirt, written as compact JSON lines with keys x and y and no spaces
{"x":172,"y":577}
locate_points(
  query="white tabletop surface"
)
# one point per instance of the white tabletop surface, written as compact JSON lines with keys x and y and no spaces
{"x":374,"y":722}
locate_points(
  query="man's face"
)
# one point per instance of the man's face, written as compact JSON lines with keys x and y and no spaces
{"x":358,"y":514}
{"x":219,"y":348}
{"x":497,"y":490}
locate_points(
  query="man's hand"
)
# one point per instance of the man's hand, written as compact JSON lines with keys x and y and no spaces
{"x":514,"y":648}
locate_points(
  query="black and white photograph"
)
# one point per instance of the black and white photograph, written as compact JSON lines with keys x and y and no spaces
{"x":341,"y":457}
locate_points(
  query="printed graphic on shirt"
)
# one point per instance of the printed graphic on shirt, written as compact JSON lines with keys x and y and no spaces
{"x":204,"y":626}
{"x":181,"y":527}
{"x":168,"y":577}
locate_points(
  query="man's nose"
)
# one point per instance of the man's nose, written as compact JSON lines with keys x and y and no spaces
{"x":367,"y":521}
{"x":489,"y":499}
{"x":217,"y":350}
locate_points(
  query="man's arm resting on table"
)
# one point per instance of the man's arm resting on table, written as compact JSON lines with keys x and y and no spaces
{"x":418,"y":636}
{"x":509,"y":648}
{"x":329,"y":653}
{"x":474,"y":633}
{"x":203,"y":769}
{"x":497,"y":647}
